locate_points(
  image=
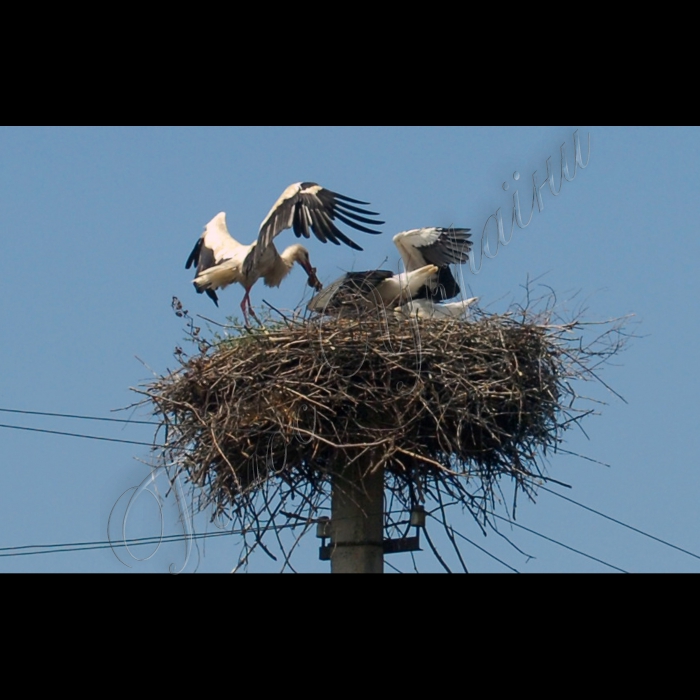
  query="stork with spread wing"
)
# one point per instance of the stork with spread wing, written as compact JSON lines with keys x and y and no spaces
{"x":304,"y":207}
{"x":427,"y":254}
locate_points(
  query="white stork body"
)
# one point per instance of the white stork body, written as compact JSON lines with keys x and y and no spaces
{"x":427,"y":254}
{"x":399,"y":288}
{"x":272,"y":266}
{"x":305,"y":207}
{"x":426,"y":308}
{"x":220,"y":258}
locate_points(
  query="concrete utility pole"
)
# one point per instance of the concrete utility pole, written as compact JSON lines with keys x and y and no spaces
{"x":357,"y":519}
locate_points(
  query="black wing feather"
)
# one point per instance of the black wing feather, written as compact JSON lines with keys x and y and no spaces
{"x":322,"y":227}
{"x":357,"y":217}
{"x":349,"y":207}
{"x":445,"y":287}
{"x":194,"y":255}
{"x":344,"y":197}
{"x":359,"y":227}
{"x":202,"y":257}
{"x":299,"y":223}
{"x":334,"y":234}
{"x":315,"y":209}
{"x":340,"y":235}
{"x":451,"y":248}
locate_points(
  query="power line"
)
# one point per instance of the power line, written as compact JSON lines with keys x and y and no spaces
{"x":139,"y":541}
{"x":619,"y":522}
{"x":134,"y":542}
{"x":485,"y":551}
{"x":561,"y":544}
{"x":79,"y":435}
{"x":165,"y":539}
{"x":86,"y":546}
{"x":72,"y":415}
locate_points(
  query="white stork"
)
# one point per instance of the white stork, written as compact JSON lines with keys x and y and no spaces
{"x":304,"y":206}
{"x":427,"y":254}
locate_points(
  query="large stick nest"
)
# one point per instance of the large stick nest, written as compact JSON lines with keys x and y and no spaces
{"x":446,"y":405}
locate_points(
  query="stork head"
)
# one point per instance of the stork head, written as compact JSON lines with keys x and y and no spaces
{"x":297,"y":253}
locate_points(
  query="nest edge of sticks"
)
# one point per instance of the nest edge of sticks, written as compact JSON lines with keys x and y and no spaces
{"x":434,"y":403}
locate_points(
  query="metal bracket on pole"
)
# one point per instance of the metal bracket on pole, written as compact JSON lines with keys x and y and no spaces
{"x":408,"y":544}
{"x":324,"y":531}
{"x":402,"y":544}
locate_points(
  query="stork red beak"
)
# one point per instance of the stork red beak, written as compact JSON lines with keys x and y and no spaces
{"x":313,"y":281}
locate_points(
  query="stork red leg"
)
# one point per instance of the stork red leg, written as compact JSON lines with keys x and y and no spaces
{"x":246,"y":301}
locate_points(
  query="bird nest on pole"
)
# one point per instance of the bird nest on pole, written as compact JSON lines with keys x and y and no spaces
{"x":445,"y":407}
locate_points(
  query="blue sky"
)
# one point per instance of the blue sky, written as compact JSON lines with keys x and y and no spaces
{"x":97,"y":224}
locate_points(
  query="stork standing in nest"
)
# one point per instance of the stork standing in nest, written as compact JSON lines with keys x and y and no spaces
{"x":304,"y":207}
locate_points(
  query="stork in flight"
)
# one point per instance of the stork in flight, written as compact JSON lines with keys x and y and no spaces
{"x":304,"y":207}
{"x":427,"y":254}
